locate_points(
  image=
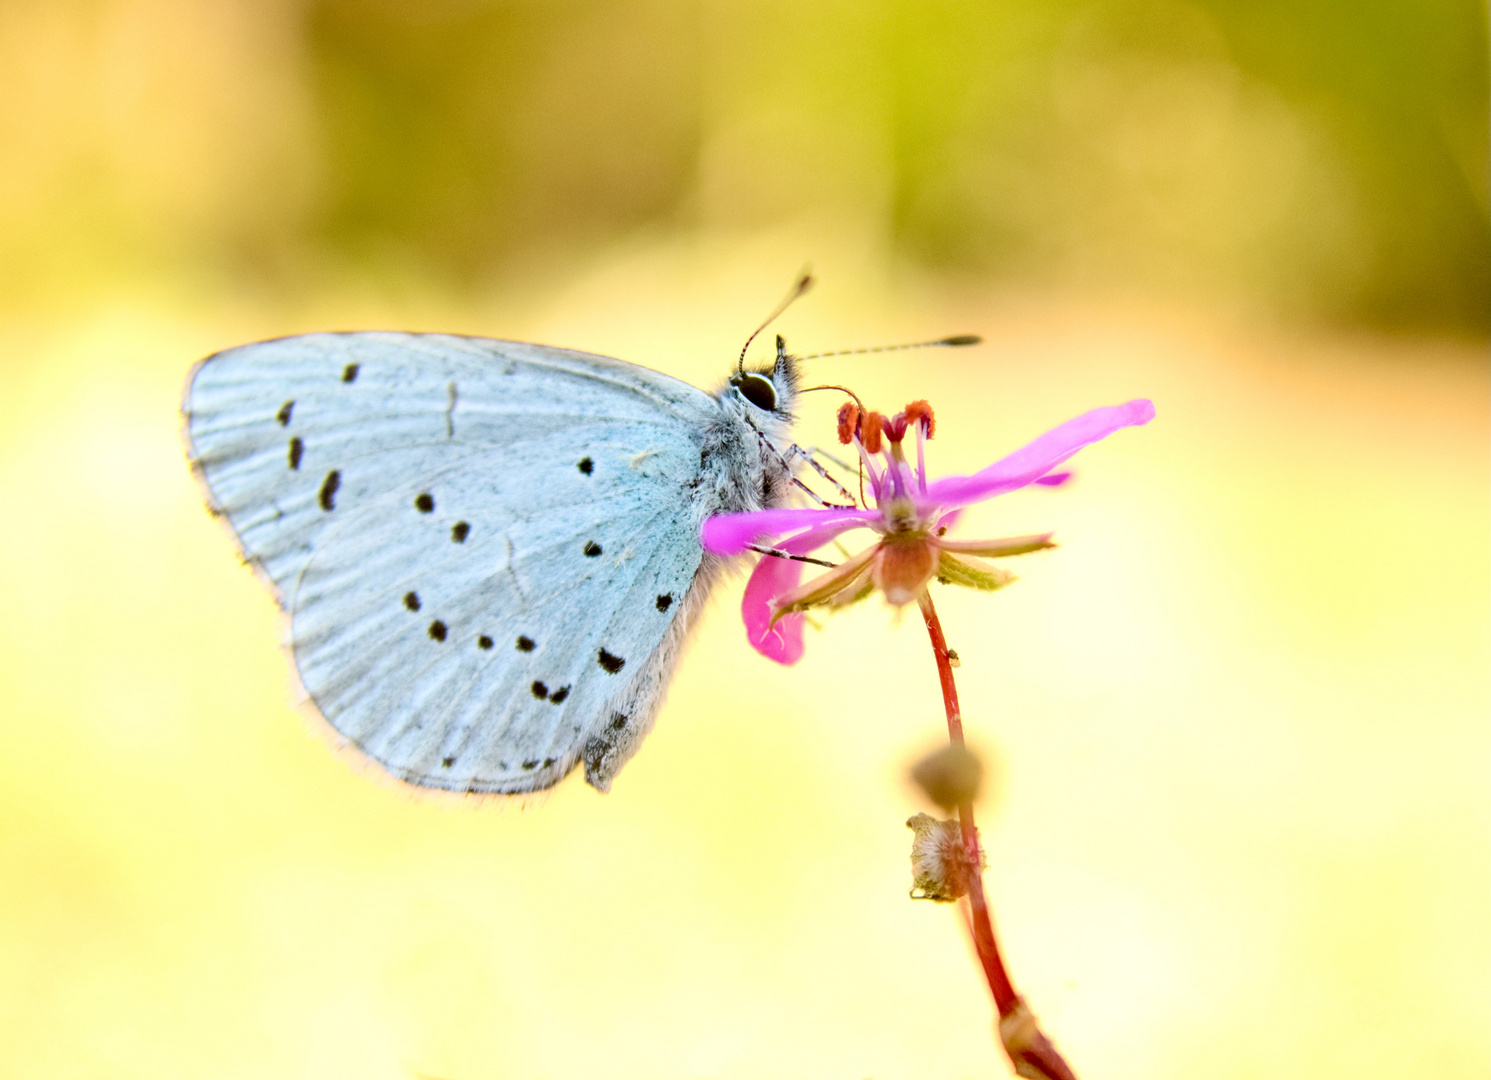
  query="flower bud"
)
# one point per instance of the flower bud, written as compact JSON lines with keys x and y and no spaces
{"x":950,"y":776}
{"x":1029,"y":1050}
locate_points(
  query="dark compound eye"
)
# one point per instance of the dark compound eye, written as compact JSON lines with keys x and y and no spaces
{"x":757,"y":389}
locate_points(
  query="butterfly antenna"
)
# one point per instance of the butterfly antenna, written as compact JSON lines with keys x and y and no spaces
{"x":957,"y":341}
{"x":804,"y":282}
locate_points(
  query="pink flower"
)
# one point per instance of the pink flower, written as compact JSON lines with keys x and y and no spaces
{"x":911,"y":515}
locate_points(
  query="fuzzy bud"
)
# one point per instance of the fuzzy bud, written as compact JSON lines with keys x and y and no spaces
{"x":940,"y":866}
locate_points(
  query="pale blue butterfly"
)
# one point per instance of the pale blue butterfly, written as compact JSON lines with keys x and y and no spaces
{"x":488,"y":550}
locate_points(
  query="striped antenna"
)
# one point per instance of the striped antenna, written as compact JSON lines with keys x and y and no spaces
{"x":957,"y":341}
{"x":804,"y":282}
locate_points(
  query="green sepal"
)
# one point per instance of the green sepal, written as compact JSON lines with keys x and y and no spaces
{"x":971,"y":573}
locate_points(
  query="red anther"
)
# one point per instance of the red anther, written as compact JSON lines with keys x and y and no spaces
{"x":920,"y":411}
{"x":869,"y":431}
{"x":848,"y":422}
{"x":895,"y":427}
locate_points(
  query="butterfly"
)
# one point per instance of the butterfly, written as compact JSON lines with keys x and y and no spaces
{"x":488,"y":550}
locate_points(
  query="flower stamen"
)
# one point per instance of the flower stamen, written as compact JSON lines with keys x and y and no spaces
{"x":848,"y":422}
{"x":920,"y":413}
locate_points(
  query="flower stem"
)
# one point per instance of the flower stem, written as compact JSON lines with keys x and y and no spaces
{"x":1030,"y":1051}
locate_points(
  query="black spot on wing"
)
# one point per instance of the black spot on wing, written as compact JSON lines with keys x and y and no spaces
{"x":446,"y":763}
{"x":525,"y":643}
{"x":665,"y":601}
{"x":424,"y":502}
{"x":329,"y":490}
{"x":283,"y":416}
{"x":540,"y":691}
{"x":349,"y":373}
{"x":559,"y":695}
{"x":530,"y":764}
{"x":411,"y":600}
{"x":297,"y":449}
{"x":592,"y":549}
{"x":438,"y":630}
{"x":484,"y":642}
{"x":459,"y":531}
{"x":612,"y":664}
{"x":618,"y":721}
{"x":586,"y":466}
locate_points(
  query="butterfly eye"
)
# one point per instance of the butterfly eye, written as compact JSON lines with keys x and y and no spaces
{"x":757,"y":389}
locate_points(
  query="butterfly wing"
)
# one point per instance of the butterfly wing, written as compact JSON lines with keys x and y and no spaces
{"x":485,"y":547}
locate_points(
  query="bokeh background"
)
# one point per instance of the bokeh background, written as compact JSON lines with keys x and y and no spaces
{"x":1237,"y":724}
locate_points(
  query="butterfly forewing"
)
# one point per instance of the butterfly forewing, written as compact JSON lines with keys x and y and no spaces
{"x":479,"y":543}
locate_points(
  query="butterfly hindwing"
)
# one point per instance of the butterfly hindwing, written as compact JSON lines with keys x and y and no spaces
{"x":481,"y":544}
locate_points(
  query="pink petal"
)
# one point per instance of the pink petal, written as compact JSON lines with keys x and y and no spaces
{"x":1030,"y":464}
{"x":770,"y":579}
{"x":1055,"y":479}
{"x":730,"y":534}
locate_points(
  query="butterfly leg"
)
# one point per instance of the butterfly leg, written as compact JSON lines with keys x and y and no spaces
{"x":786,"y":459}
{"x":810,"y":456}
{"x":778,"y":553}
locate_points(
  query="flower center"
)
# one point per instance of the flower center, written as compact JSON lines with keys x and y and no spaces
{"x":901,"y":518}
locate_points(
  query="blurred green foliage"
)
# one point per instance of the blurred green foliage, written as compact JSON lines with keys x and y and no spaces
{"x":1323,"y":158}
{"x":1329,"y":155}
{"x":463,"y":130}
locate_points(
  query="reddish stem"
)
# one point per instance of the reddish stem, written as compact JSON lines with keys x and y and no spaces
{"x":1031,"y":1053}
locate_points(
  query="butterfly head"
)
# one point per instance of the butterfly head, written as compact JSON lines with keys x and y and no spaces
{"x":773,"y":391}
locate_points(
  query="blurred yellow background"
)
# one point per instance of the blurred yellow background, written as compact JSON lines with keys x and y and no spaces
{"x":1238,"y":723}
